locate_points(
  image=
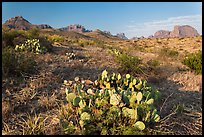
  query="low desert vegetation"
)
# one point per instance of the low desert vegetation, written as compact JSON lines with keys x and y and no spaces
{"x":14,"y":63}
{"x":194,"y":61}
{"x":129,"y":64}
{"x":111,"y":105}
{"x":167,"y":52}
{"x":91,"y":86}
{"x":56,"y":38}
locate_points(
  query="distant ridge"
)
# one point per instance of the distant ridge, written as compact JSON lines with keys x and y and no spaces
{"x":178,"y":32}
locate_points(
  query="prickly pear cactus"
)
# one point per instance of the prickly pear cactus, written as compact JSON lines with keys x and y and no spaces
{"x":112,"y":99}
{"x":31,"y":45}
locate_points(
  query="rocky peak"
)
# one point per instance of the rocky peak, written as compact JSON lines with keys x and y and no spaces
{"x":44,"y":26}
{"x":107,"y":32}
{"x":151,"y":36}
{"x":121,"y":35}
{"x":162,"y":34}
{"x":18,"y":22}
{"x":184,"y":31}
{"x":75,"y":27}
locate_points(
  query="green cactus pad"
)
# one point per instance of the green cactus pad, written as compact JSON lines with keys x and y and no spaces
{"x":131,"y":113}
{"x":104,"y":74}
{"x":70,"y":97}
{"x":82,"y":104}
{"x":139,"y":125}
{"x":127,"y":76}
{"x":139,"y":96}
{"x":130,"y":85}
{"x":119,"y":76}
{"x":115,"y":99}
{"x":76,"y":101}
{"x":134,"y":81}
{"x":139,"y":85}
{"x":133,"y":98}
{"x":85,"y":116}
{"x":150,"y":101}
{"x":156,"y":118}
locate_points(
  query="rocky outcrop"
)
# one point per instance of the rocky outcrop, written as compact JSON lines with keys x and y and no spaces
{"x":20,"y":23}
{"x":178,"y":32}
{"x":137,"y":38}
{"x":121,"y":35}
{"x":17,"y":22}
{"x":162,"y":34}
{"x":184,"y":31}
{"x":44,"y":26}
{"x":75,"y":27}
{"x":151,"y":36}
{"x":107,"y":32}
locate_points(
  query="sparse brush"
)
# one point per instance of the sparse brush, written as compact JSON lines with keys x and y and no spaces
{"x":153,"y":63}
{"x":56,"y":38}
{"x":194,"y":61}
{"x":15,"y":63}
{"x":33,"y":125}
{"x":129,"y":64}
{"x":168,"y":52}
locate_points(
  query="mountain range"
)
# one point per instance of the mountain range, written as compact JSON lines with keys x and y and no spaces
{"x":20,"y":23}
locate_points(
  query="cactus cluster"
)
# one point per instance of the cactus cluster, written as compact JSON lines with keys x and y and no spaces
{"x":32,"y":46}
{"x":113,"y":100}
{"x":70,"y":55}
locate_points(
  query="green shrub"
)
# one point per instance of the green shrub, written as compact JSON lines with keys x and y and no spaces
{"x":111,"y":105}
{"x":194,"y":61}
{"x":83,"y":42}
{"x":9,"y":36}
{"x":168,"y":52}
{"x":129,"y":64}
{"x":33,"y":33}
{"x":153,"y":63}
{"x":15,"y":63}
{"x":56,"y":38}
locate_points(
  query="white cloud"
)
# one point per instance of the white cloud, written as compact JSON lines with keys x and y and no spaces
{"x":149,"y":28}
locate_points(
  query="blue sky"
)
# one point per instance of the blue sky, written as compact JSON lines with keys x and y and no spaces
{"x":132,"y":18}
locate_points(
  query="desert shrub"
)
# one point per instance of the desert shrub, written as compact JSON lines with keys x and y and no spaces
{"x":129,"y":64}
{"x":56,"y":38}
{"x":194,"y":61}
{"x":32,"y":33}
{"x":19,"y":40}
{"x":153,"y":63}
{"x":8,"y":37}
{"x":168,"y":52}
{"x":99,"y":42}
{"x":44,"y":42}
{"x":83,"y":43}
{"x":111,"y":105}
{"x":139,"y":48}
{"x":16,"y":63}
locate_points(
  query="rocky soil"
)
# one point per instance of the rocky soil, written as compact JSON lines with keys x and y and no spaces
{"x":181,"y":89}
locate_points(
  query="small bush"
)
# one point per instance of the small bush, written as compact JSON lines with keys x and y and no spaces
{"x":153,"y":63}
{"x":14,"y":63}
{"x":56,"y":38}
{"x":33,"y":33}
{"x":111,"y":105}
{"x":129,"y":64}
{"x":194,"y":61}
{"x":168,"y":52}
{"x":83,"y":43}
{"x":8,"y":37}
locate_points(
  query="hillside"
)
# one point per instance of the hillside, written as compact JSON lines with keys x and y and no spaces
{"x":36,"y":82}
